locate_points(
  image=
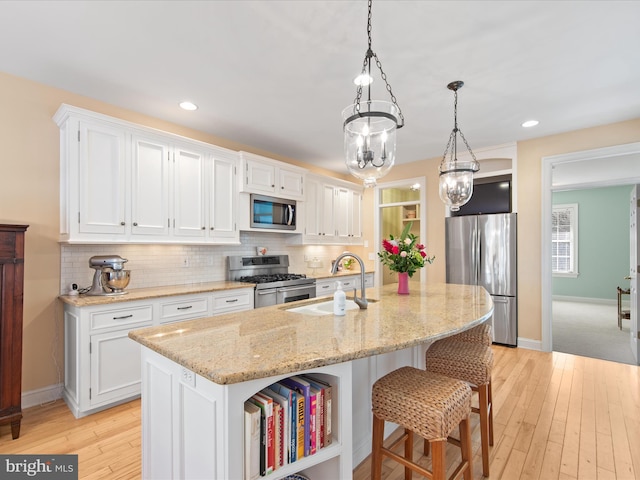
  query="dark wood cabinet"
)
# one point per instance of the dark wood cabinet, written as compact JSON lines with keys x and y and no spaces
{"x":11,"y":290}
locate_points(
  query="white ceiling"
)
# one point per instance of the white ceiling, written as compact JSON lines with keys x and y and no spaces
{"x":276,"y":75}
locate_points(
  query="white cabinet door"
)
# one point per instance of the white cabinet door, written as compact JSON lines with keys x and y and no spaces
{"x":326,"y":213}
{"x":341,"y":214}
{"x":102,"y":179}
{"x":115,"y":367}
{"x":260,"y":177}
{"x":291,"y":184}
{"x":355,"y":216}
{"x":150,"y":187}
{"x":188,"y":193}
{"x":313,"y":206}
{"x":222,"y":200}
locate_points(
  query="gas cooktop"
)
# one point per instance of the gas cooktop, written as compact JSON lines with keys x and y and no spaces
{"x":268,"y":278}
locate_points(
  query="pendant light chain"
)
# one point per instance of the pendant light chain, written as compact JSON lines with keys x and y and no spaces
{"x":456,"y":130}
{"x":367,"y":63}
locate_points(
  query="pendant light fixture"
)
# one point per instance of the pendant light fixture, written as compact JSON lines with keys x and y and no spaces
{"x":370,"y":126}
{"x":456,"y":177}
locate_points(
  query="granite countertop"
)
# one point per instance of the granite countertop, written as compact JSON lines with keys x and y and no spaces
{"x":269,"y":341}
{"x":152,"y":292}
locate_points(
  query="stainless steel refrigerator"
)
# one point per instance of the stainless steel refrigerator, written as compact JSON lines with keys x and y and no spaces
{"x":481,"y":250}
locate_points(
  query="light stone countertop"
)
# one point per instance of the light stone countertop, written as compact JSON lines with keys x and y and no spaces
{"x":270,"y":341}
{"x":152,"y":292}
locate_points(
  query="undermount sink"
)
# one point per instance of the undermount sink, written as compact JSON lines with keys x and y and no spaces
{"x":321,"y":308}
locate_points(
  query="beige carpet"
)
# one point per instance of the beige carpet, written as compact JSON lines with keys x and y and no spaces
{"x":591,"y":330}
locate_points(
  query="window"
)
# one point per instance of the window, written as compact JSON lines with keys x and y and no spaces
{"x":564,"y":240}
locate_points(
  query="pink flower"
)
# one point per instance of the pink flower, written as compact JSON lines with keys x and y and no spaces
{"x":422,"y":253}
{"x":420,"y":246}
{"x":395,"y":250}
{"x":403,"y":254}
{"x":387,"y":246}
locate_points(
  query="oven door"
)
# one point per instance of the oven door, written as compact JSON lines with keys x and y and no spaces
{"x":293,"y":294}
{"x":265,"y":297}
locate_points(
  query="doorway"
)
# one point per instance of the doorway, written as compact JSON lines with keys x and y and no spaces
{"x":610,"y":166}
{"x":590,"y":259}
{"x":398,"y":204}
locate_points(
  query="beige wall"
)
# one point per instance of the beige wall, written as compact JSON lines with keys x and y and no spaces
{"x":29,"y":171}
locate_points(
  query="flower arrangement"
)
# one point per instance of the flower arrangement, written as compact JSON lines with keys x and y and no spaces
{"x":404,"y":254}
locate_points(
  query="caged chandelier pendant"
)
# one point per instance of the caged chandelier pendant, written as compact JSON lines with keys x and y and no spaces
{"x":370,"y":126}
{"x":456,"y":176}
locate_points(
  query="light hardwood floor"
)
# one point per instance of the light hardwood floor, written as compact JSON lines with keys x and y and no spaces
{"x":557,"y":416}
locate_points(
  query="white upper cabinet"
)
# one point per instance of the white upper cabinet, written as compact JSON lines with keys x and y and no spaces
{"x":333,"y":211}
{"x":223,"y":198}
{"x":150,"y":171}
{"x":265,"y":176}
{"x":188,"y":193}
{"x":121,"y":182}
{"x":99,"y":163}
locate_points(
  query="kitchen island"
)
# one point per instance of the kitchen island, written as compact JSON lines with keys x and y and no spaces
{"x":197,"y":374}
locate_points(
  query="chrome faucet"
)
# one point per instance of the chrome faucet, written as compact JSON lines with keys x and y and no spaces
{"x":362,"y":301}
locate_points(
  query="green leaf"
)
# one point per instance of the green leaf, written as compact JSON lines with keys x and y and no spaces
{"x":405,"y":232}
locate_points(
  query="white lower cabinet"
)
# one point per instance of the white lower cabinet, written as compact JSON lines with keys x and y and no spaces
{"x":327,"y":286}
{"x":102,"y":364}
{"x":193,"y":427}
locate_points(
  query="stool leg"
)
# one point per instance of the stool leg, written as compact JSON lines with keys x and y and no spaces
{"x":483,"y":405}
{"x":438,"y":460}
{"x":376,"y":448}
{"x":490,"y":414}
{"x":408,"y":452}
{"x":465,"y":447}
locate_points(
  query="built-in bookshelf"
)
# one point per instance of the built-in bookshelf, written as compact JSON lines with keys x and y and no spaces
{"x":287,"y":422}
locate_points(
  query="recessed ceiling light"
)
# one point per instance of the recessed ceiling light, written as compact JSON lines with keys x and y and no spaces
{"x":530,"y":123}
{"x":363,"y":79}
{"x":188,"y":106}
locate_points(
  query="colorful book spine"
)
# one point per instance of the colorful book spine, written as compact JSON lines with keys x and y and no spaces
{"x":291,"y":396}
{"x":252,"y":441}
{"x":326,"y":401}
{"x":284,"y":436}
{"x":303,"y":387}
{"x":266,"y":404}
{"x":314,"y":425}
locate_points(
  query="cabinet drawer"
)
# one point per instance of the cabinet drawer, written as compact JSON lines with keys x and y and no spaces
{"x":232,"y":301}
{"x":184,"y":309}
{"x":349,"y":283}
{"x":121,"y":317}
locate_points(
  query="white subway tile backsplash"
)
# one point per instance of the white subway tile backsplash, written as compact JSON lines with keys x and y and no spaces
{"x":161,"y":265}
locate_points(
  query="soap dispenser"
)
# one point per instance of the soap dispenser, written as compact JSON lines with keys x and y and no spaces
{"x":339,"y":300}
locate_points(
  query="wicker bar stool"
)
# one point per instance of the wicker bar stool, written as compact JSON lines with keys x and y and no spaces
{"x":479,"y":334}
{"x":471,"y":363}
{"x":428,"y":404}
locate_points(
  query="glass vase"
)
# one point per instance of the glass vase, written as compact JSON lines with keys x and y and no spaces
{"x":403,"y":283}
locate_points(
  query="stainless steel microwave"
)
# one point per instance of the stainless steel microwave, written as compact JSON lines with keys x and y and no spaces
{"x":273,"y":213}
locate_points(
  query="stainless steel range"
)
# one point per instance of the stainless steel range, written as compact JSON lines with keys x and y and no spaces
{"x":274,"y":283}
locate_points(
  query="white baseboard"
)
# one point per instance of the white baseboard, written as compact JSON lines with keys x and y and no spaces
{"x":41,"y":396}
{"x":530,"y":344}
{"x":601,"y":301}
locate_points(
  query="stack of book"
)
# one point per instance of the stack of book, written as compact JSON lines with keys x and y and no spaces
{"x":285,"y":422}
